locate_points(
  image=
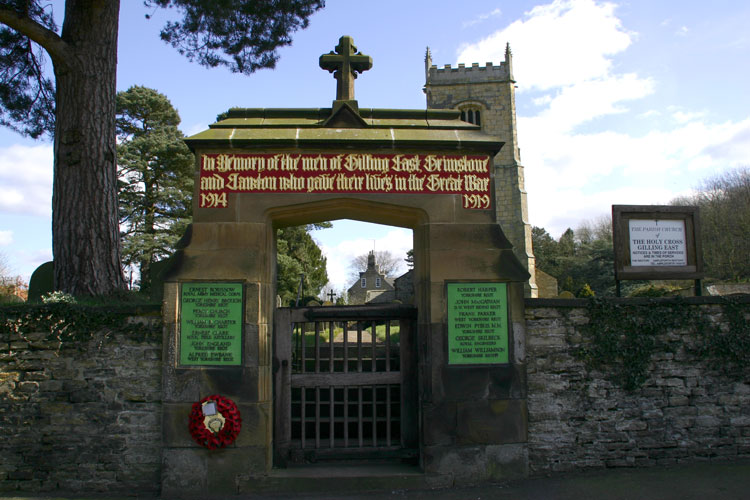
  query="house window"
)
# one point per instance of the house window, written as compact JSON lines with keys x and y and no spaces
{"x":363,"y":283}
{"x":377,"y":282}
{"x":472,"y":115}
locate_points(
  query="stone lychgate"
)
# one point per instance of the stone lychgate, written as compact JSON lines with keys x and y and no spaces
{"x":261,"y":169}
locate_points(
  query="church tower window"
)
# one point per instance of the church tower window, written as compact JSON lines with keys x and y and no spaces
{"x":472,"y":115}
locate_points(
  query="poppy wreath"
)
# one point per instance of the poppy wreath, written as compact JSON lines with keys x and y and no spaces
{"x":227,"y":434}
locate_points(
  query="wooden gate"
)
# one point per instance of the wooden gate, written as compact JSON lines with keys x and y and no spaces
{"x":345,"y":383}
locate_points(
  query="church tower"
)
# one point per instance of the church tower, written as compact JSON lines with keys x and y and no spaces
{"x":485,"y":95}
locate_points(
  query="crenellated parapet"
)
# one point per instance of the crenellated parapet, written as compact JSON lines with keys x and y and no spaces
{"x":448,"y":75}
{"x":475,"y":73}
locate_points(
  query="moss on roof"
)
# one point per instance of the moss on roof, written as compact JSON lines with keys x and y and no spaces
{"x":256,"y":128}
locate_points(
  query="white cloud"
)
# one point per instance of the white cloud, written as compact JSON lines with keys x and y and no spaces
{"x":683,"y":31}
{"x":26,"y":179}
{"x":481,"y":18}
{"x":397,"y":241}
{"x":542,"y":101}
{"x":572,"y":207}
{"x":6,"y":238}
{"x":687,"y":116}
{"x":578,"y":176}
{"x":589,"y":99}
{"x":564,"y":64}
{"x":650,"y":113}
{"x":557,"y":44}
{"x":576,"y":69}
{"x":729,"y":143}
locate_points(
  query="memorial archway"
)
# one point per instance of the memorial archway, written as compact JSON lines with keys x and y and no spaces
{"x":259,"y":169}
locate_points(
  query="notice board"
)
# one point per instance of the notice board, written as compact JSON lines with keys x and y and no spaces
{"x":477,"y":323}
{"x":654,"y":242}
{"x":211,"y":324}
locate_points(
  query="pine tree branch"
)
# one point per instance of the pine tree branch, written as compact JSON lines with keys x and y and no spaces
{"x":43,"y":36}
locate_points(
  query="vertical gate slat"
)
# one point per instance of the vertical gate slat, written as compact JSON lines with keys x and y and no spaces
{"x":303,"y":340}
{"x":374,"y":415}
{"x":388,"y":415}
{"x":346,"y":416}
{"x":359,"y":346}
{"x":317,"y":418}
{"x":317,"y":347}
{"x":373,"y":328}
{"x":387,"y":346}
{"x":330,"y":344}
{"x":331,"y":414}
{"x":346,"y":346}
{"x":359,"y":415}
{"x":303,"y":415}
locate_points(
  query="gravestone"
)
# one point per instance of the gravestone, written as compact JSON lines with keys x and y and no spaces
{"x":261,"y":169}
{"x":41,"y":281}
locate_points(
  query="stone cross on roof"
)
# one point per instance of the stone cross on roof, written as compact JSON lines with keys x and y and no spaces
{"x":345,"y":63}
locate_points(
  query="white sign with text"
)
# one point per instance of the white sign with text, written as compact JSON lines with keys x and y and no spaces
{"x":657,"y":242}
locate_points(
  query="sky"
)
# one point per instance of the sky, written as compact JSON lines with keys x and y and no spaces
{"x":621,"y":102}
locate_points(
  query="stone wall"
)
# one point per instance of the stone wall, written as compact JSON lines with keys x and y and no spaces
{"x":685,"y":411}
{"x":81,"y":416}
{"x":85,"y":416}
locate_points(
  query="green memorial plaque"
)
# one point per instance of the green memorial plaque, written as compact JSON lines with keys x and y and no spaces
{"x":477,"y":323}
{"x":211,"y":324}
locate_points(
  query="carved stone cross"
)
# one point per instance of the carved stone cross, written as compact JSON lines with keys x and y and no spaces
{"x":345,"y":63}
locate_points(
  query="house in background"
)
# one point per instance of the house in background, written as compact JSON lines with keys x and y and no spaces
{"x":373,"y":287}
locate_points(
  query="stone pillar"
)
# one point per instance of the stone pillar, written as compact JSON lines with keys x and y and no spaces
{"x":474,"y":417}
{"x":219,"y":252}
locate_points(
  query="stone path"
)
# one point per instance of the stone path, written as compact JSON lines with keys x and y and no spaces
{"x":698,"y":481}
{"x":352,"y":337}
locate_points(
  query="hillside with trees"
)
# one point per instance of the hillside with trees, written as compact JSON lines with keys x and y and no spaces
{"x":724,"y":202}
{"x":583,"y":258}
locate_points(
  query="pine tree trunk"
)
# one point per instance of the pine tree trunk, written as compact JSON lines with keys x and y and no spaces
{"x":85,"y":232}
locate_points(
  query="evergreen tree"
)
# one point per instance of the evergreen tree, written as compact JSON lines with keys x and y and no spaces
{"x":155,"y":187}
{"x":409,"y":258}
{"x":298,"y":255}
{"x":545,"y":250}
{"x":78,"y":109}
{"x":577,"y":261}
